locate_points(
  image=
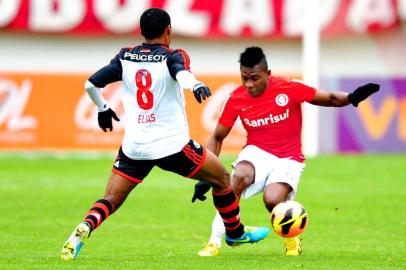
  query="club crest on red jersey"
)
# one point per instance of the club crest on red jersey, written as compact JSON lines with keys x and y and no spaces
{"x":282,"y":100}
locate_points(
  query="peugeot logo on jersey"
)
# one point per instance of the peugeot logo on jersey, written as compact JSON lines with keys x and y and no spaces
{"x":282,"y":100}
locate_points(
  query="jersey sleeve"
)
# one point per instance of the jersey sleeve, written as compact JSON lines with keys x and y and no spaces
{"x":228,"y":114}
{"x":177,"y":61}
{"x":304,"y":93}
{"x":109,"y":73}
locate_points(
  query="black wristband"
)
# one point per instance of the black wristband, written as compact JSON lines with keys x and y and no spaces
{"x":351,"y":99}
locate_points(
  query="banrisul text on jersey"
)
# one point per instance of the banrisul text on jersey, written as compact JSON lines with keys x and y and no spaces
{"x":271,"y":119}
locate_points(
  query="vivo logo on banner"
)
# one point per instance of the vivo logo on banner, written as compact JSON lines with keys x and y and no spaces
{"x":379,"y":123}
{"x":13,"y":101}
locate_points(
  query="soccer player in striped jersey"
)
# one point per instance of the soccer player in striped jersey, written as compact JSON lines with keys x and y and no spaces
{"x":156,"y":131}
{"x":271,"y":161}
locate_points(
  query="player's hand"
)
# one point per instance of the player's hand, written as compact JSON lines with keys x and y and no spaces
{"x":201,"y":188}
{"x":362,"y":93}
{"x":105,"y":119}
{"x":201,"y":92}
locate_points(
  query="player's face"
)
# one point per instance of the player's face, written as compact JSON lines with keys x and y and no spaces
{"x":255,"y":79}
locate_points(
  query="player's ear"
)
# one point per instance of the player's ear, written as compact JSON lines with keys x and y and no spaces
{"x":268,"y":72}
{"x":169,"y":29}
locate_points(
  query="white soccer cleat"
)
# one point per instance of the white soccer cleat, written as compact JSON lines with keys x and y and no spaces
{"x":75,"y":242}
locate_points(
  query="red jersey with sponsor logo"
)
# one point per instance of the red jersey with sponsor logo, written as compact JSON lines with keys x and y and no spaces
{"x":273,"y":120}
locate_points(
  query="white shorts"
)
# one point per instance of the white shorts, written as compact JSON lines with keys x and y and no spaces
{"x":270,"y":169}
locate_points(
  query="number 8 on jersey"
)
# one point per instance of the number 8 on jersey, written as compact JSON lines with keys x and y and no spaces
{"x":145,"y":98}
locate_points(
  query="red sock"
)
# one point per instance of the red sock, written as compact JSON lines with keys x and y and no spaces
{"x":227,"y":204}
{"x":98,"y":213}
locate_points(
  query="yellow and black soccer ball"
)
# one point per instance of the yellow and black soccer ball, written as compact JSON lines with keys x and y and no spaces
{"x":289,"y":219}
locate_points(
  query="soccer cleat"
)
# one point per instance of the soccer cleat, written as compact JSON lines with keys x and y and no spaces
{"x":251,"y":235}
{"x":293,"y":246}
{"x":75,"y":242}
{"x":210,"y":250}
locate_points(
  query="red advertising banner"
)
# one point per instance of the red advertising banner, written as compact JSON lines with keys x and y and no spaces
{"x":54,"y":112}
{"x":197,"y":18}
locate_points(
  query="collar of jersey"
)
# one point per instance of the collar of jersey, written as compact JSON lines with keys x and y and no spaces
{"x":154,"y":45}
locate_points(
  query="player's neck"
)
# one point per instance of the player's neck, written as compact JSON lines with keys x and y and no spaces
{"x":160,"y":40}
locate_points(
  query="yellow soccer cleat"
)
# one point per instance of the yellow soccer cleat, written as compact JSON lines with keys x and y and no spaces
{"x":75,"y":242}
{"x":210,"y":250}
{"x":293,"y":246}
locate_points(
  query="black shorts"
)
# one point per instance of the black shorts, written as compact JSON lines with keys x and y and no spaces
{"x":186,"y":162}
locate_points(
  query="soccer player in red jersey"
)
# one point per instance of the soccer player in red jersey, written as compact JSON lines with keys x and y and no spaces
{"x":156,"y":131}
{"x":271,"y":161}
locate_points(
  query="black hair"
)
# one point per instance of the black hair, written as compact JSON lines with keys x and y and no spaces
{"x":253,"y":56}
{"x":153,"y":22}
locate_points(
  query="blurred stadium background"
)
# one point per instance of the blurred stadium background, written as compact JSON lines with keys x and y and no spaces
{"x":48,"y":48}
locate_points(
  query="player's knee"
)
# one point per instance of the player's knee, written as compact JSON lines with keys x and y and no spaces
{"x":241,"y":181}
{"x":275,"y":193}
{"x":242,"y":178}
{"x":270,"y":201}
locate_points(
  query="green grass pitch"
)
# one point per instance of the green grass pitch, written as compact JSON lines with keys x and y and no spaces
{"x":356,"y":206}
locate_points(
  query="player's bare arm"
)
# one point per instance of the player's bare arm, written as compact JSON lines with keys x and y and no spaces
{"x":330,"y":99}
{"x":216,"y":140}
{"x":340,"y":99}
